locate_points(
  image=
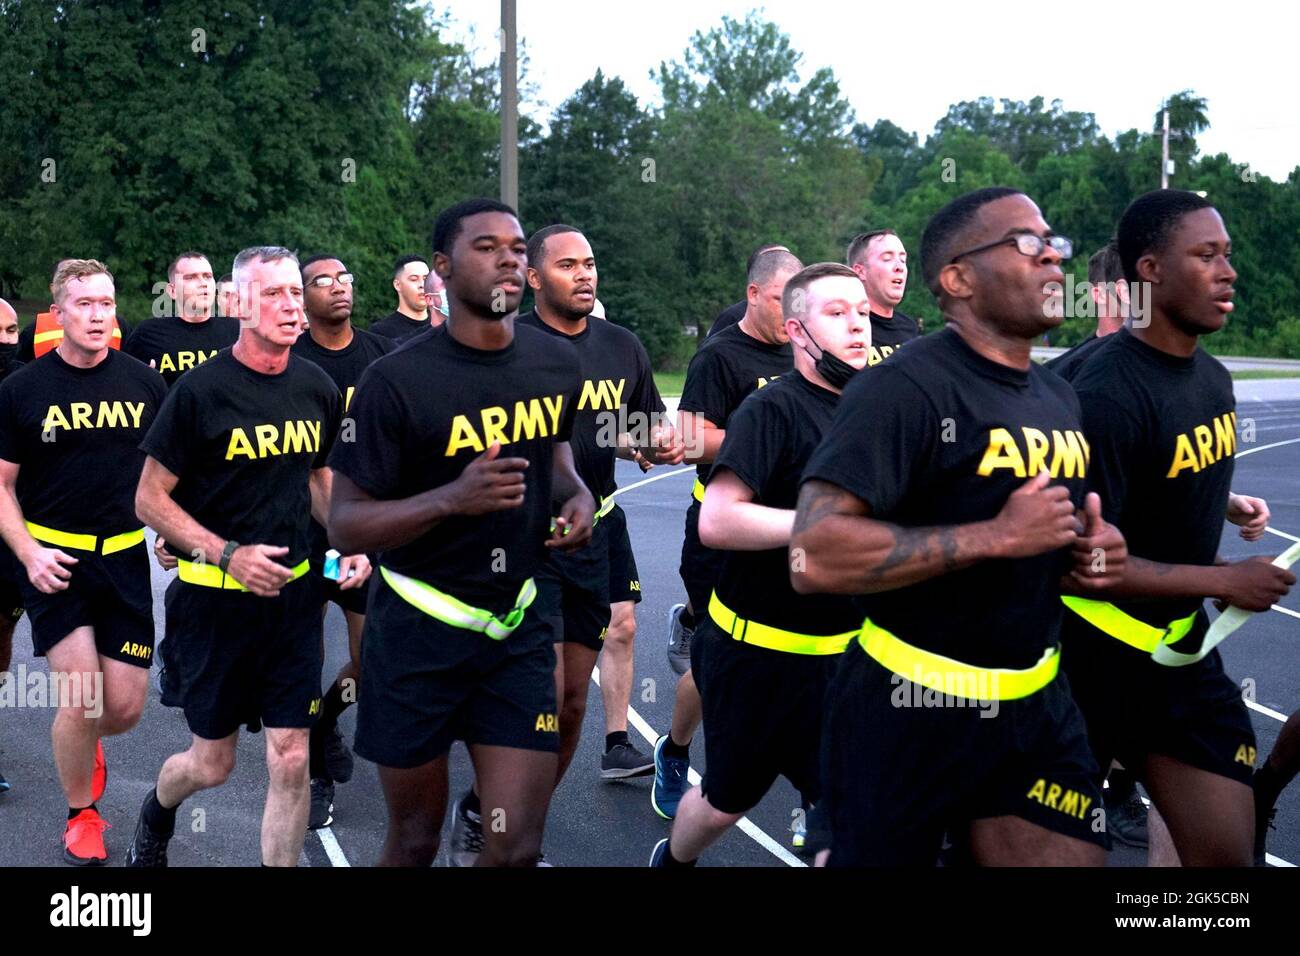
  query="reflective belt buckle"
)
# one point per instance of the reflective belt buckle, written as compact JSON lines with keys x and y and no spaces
{"x":514,"y":618}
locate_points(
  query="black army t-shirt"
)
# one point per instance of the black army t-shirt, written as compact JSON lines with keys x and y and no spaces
{"x":728,"y":317}
{"x":398,"y":327}
{"x":1068,"y":363}
{"x":9,"y":362}
{"x":887,"y":334}
{"x":243,"y":445}
{"x":725,"y":370}
{"x":426,"y":411}
{"x":345,"y":365}
{"x":176,"y":346}
{"x":940,"y":435}
{"x":769,"y":441}
{"x":75,"y":433}
{"x":1163,"y":431}
{"x":616,"y":382}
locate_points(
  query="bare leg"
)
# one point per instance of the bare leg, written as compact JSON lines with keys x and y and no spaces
{"x":1211,"y":818}
{"x":1160,"y":844}
{"x":515,"y":793}
{"x":687,"y":711}
{"x":417,"y":802}
{"x":77,"y":691}
{"x":616,"y":663}
{"x":208,"y":763}
{"x":1013,"y":841}
{"x":288,"y":795}
{"x":576,"y":676}
{"x":697,"y":826}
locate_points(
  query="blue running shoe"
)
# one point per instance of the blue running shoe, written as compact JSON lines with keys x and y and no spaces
{"x":670,"y":781}
{"x":658,"y":853}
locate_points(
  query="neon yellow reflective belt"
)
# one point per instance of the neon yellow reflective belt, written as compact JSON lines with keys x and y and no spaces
{"x":86,"y":542}
{"x":211,"y":576}
{"x":606,"y":506}
{"x":773,"y":638}
{"x":443,"y":607}
{"x":1109,"y":619}
{"x":698,"y":491}
{"x":952,"y":677}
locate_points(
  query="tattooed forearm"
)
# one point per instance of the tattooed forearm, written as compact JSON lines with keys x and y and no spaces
{"x":920,"y":545}
{"x":817,"y":500}
{"x":908,"y":544}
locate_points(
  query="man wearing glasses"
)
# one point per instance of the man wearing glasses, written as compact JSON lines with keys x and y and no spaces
{"x":948,"y":498}
{"x":344,"y":352}
{"x":174,"y":344}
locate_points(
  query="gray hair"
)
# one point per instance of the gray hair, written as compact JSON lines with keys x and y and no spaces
{"x":771,"y":264}
{"x":254,"y":254}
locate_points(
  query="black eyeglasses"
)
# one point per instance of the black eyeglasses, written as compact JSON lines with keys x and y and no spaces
{"x":324,"y":282}
{"x":1027,"y":244}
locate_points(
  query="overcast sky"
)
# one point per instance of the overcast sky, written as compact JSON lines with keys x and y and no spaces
{"x":907,"y":61}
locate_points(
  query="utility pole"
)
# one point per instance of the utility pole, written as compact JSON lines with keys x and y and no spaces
{"x":1164,"y":153}
{"x":510,"y":107}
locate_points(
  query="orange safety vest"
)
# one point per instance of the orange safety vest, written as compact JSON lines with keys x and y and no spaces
{"x":49,"y":334}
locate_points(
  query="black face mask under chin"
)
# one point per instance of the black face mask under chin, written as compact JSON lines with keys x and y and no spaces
{"x":8,"y":352}
{"x":832,"y":368}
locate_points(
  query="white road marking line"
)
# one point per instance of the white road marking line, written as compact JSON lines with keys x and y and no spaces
{"x":332,"y":848}
{"x":1286,"y":610}
{"x":685,"y":470}
{"x":745,"y":825}
{"x":1276,"y":444}
{"x":1267,"y":711}
{"x":1272,"y":860}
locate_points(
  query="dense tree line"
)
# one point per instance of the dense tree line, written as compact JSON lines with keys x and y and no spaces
{"x":137,"y":128}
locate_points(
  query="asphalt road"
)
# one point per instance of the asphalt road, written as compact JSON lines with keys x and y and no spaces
{"x":592,"y":822}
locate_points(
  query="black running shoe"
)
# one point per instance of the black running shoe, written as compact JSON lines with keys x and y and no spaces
{"x":338,"y":758}
{"x":147,"y":847}
{"x":4,"y":784}
{"x":322,"y":804}
{"x":1127,"y":821}
{"x":623,"y":760}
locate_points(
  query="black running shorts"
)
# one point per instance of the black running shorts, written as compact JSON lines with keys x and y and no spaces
{"x":624,"y":579}
{"x":110,"y":593}
{"x":425,"y":684}
{"x":352,"y":600}
{"x":12,"y":574}
{"x":1135,"y":707}
{"x":902,"y":764}
{"x":232,"y":658}
{"x":763,"y":714}
{"x":573,"y":592}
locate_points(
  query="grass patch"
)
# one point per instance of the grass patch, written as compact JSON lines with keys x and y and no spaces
{"x":670,"y":383}
{"x":1252,"y":373}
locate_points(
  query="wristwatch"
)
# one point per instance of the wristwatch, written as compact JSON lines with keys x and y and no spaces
{"x":226,"y":553}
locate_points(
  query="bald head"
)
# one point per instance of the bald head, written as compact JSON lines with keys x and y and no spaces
{"x":8,"y":324}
